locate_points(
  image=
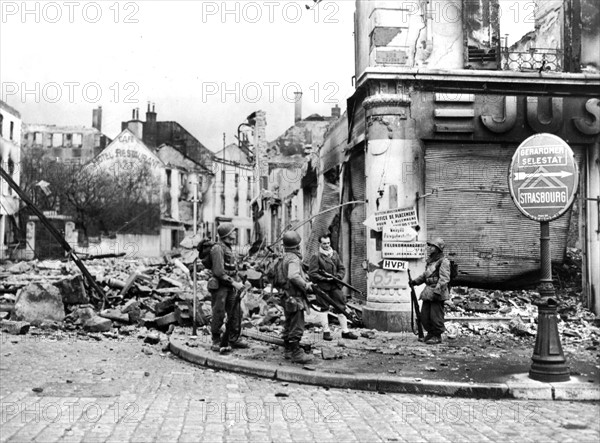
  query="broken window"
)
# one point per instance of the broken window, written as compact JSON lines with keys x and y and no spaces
{"x":68,"y":140}
{"x":57,"y":140}
{"x":77,"y":140}
{"x":168,"y":172}
{"x":532,"y":35}
{"x":38,"y":138}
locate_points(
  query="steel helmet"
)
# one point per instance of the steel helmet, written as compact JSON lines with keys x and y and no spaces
{"x":225,"y":230}
{"x":291,"y":239}
{"x":438,"y":243}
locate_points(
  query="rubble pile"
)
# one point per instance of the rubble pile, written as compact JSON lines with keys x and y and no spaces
{"x":493,"y":311}
{"x":155,"y":295}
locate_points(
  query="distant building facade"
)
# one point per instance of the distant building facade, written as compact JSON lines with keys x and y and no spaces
{"x":68,"y":144}
{"x":10,"y":158}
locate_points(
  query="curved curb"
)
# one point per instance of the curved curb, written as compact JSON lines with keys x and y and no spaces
{"x":516,"y":389}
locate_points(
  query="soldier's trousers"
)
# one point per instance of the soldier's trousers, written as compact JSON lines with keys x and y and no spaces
{"x":224,"y":301}
{"x":432,"y":317}
{"x":293,"y":326}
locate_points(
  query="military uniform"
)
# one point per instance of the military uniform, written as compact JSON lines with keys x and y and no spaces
{"x":436,"y":277}
{"x":224,"y":296}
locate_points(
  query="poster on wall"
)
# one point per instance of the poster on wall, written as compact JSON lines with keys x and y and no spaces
{"x":400,"y":217}
{"x":396,"y":249}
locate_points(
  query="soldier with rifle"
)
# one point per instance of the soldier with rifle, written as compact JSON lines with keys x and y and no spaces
{"x":225,"y":287}
{"x":437,"y":277}
{"x":294,"y":300}
{"x":327,"y":270}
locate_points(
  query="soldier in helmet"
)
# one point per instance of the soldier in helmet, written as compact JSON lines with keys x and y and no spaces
{"x":294,"y":300}
{"x":223,"y":286}
{"x":437,"y":277}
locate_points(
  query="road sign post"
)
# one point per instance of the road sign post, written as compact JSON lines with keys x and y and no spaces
{"x":543,"y":179}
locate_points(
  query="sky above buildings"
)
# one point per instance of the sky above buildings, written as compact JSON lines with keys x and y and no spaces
{"x":205,"y":64}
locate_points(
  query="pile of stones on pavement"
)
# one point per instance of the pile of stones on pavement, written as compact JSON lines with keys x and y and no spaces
{"x":148,"y":298}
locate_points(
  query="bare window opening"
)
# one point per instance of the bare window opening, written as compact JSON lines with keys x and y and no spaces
{"x":168,"y":171}
{"x":222,"y":204}
{"x":57,"y":140}
{"x":68,"y":140}
{"x":12,"y":130}
{"x":38,"y":138}
{"x":77,"y":140}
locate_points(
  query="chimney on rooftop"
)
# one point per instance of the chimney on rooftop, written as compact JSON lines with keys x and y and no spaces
{"x":335,"y":112}
{"x":298,"y":107}
{"x":135,"y":125}
{"x":150,"y":126}
{"x":97,"y":118}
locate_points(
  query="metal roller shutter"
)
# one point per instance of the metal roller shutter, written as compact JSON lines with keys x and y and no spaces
{"x":471,"y":209}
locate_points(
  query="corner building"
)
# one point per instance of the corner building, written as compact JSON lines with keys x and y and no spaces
{"x":446,"y":90}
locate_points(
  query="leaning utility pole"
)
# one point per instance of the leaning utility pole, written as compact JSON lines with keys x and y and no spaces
{"x":55,"y":234}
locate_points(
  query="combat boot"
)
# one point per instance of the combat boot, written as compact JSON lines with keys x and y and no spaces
{"x":287,"y":350}
{"x":298,"y":354}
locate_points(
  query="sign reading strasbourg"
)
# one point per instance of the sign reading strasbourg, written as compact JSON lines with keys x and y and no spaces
{"x":543,"y":177}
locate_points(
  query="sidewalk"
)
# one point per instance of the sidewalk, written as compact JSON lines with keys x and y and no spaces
{"x":473,"y":366}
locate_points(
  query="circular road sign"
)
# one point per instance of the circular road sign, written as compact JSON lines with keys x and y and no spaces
{"x":543,"y":177}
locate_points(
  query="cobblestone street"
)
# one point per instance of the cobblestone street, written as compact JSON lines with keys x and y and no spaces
{"x":87,"y":390}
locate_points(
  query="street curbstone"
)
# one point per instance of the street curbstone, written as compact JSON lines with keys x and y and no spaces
{"x":576,"y":391}
{"x":242,"y":366}
{"x":519,"y":387}
{"x":186,"y":354}
{"x":366,"y":382}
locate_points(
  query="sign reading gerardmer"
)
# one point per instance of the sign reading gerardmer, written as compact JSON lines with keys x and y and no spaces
{"x":543,"y":177}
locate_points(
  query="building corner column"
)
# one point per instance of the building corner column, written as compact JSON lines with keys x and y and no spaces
{"x":393,"y":169}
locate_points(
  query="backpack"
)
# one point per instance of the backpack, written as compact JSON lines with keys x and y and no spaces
{"x":276,"y":273}
{"x":204,"y":248}
{"x":453,"y":272}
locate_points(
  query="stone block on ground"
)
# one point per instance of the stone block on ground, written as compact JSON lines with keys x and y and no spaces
{"x":14,"y":327}
{"x":165,"y":306}
{"x":98,"y":324}
{"x":115,"y":314}
{"x":166,"y":282}
{"x":166,"y":320}
{"x":38,"y":302}
{"x":72,"y":290}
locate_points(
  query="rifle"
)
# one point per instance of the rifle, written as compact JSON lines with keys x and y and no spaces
{"x":341,"y":282}
{"x":415,"y":305}
{"x":324,"y":301}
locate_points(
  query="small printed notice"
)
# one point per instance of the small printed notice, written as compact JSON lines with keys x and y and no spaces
{"x":393,"y":249}
{"x":395,"y":265}
{"x":398,"y":233}
{"x":401,"y":217}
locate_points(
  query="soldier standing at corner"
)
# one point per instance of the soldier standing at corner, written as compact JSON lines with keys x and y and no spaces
{"x":294,"y":300}
{"x":224,"y":286}
{"x":437,"y":277}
